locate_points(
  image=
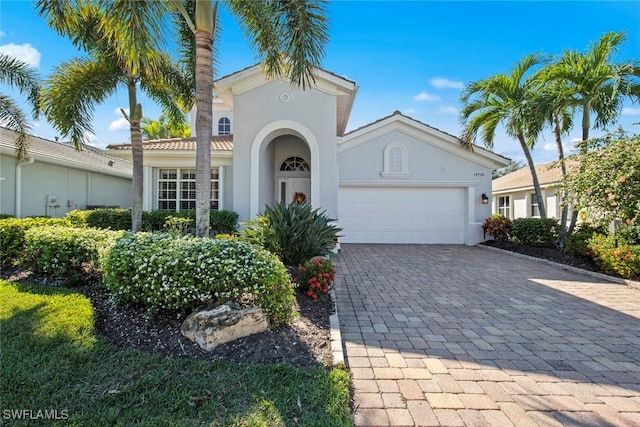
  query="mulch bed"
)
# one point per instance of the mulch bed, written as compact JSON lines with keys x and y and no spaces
{"x":305,"y":342}
{"x":551,"y":254}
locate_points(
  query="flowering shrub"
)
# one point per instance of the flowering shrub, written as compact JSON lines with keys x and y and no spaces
{"x":536,"y":231}
{"x":498,"y":226}
{"x":316,"y":276}
{"x":578,"y":242}
{"x":163,"y":272}
{"x":615,"y":258}
{"x":70,"y":254}
{"x":12,"y":236}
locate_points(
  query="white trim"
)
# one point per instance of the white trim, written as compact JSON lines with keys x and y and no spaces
{"x":271,"y":131}
{"x":386,"y":164}
{"x":412,"y":183}
{"x":220,"y":188}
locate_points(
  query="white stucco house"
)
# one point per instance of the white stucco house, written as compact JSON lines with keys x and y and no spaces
{"x":55,"y":178}
{"x":395,"y":180}
{"x":514,"y":196}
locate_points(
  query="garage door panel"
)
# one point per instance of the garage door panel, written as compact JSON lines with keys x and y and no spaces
{"x":401,"y":215}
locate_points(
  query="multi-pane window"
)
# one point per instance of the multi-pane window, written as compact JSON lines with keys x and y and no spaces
{"x":295,"y":164}
{"x":224,"y":126}
{"x":504,"y":206}
{"x":177,"y":189}
{"x":535,"y":208}
{"x":395,"y":160}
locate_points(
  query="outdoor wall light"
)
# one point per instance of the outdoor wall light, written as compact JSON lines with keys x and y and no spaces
{"x":485,"y":199}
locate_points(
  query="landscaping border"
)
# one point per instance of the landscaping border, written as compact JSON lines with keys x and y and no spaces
{"x":593,"y":274}
{"x":336,"y":336}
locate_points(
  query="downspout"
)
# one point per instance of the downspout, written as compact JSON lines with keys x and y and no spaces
{"x":18,"y":188}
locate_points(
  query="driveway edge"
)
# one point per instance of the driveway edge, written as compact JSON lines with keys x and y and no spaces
{"x":593,"y":274}
{"x":336,"y":336}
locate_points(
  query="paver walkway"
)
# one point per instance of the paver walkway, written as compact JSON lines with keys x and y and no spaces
{"x":455,"y":335}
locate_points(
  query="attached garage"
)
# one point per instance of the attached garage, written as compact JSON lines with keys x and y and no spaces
{"x":402,"y":214}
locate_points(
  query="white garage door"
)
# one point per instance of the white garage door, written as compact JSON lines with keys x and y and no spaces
{"x":401,"y":215}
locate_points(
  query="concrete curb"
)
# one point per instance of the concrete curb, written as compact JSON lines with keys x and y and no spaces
{"x":593,"y":274}
{"x":336,"y":336}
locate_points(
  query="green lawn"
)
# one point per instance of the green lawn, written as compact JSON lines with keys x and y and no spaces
{"x":51,"y":359}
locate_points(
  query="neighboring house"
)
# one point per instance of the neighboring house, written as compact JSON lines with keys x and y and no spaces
{"x":56,"y":178}
{"x":514,"y":196}
{"x":396,"y":180}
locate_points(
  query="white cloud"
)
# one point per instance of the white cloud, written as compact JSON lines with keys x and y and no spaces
{"x":442,"y":83}
{"x":424,"y":96}
{"x":549,"y":146}
{"x":631,"y":111}
{"x":410,"y":111}
{"x":448,"y":110}
{"x":24,"y":52}
{"x":575,"y":140}
{"x":119,"y":124}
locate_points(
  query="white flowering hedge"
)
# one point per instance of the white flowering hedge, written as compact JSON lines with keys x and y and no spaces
{"x":163,"y":272}
{"x":67,"y":253}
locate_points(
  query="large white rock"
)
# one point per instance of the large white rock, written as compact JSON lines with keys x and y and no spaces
{"x":211,"y":327}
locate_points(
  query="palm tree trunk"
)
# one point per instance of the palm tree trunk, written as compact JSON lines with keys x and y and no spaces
{"x":563,"y":170}
{"x":135,"y":115}
{"x":534,"y":176}
{"x":204,"y":129}
{"x":586,"y":124}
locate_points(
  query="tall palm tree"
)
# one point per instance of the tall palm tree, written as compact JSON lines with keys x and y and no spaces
{"x":122,"y":39}
{"x":592,"y":84}
{"x":19,"y":75}
{"x":508,"y":100}
{"x":288,"y":36}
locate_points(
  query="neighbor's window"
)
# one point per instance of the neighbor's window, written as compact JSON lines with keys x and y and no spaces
{"x":535,"y":208}
{"x":504,"y":206}
{"x":224,"y":126}
{"x":177,"y":189}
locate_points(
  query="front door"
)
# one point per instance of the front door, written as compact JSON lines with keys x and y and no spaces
{"x":290,"y":186}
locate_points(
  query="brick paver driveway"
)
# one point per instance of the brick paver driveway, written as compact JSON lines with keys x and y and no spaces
{"x":454,"y":335}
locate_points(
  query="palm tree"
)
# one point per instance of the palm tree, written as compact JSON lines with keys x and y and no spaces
{"x":508,"y":100}
{"x":592,"y":84}
{"x":122,"y":39}
{"x":19,"y":75}
{"x":287,"y":35}
{"x":164,"y":128}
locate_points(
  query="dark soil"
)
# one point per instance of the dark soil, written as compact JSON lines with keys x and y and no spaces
{"x":305,"y":342}
{"x":551,"y":254}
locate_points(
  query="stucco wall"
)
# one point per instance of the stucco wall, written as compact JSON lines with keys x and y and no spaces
{"x":521,"y":202}
{"x":7,"y":184}
{"x":72,"y":189}
{"x":262,"y":106}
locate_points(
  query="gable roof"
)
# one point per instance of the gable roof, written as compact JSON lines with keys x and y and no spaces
{"x":218,"y":143}
{"x":251,"y":77}
{"x":549,"y":174}
{"x":401,"y":121}
{"x":64,"y":154}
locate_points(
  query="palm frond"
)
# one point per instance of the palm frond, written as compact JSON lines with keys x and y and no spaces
{"x":12,"y":117}
{"x":19,"y":75}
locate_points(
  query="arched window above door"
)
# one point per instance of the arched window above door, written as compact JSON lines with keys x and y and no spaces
{"x":295,"y":164}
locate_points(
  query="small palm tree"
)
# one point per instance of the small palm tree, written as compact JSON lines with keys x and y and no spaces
{"x":19,"y":75}
{"x":288,"y":36}
{"x":165,"y":128}
{"x":122,"y":39}
{"x":508,"y":100}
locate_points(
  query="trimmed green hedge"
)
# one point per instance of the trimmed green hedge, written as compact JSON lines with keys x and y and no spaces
{"x":12,"y":236}
{"x":106,"y":218}
{"x":67,"y":253}
{"x":160,"y":271}
{"x":536,"y":231}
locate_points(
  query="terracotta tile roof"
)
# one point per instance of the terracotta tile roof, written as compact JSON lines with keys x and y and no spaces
{"x":218,"y":143}
{"x":548,"y":173}
{"x":90,"y":158}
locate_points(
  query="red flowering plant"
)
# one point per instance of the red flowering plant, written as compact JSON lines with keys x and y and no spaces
{"x":315,"y":277}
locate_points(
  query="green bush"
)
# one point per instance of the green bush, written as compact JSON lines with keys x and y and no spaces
{"x":223,"y":222}
{"x":67,"y":253}
{"x":296,"y":233}
{"x":578,"y":242}
{"x":498,"y":226}
{"x":105,"y":218}
{"x":6,"y":216}
{"x":615,"y":258}
{"x":12,"y":236}
{"x":536,"y":231}
{"x":160,"y":271}
{"x":629,"y":234}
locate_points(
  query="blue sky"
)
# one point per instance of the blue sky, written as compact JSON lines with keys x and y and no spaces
{"x":410,"y":56}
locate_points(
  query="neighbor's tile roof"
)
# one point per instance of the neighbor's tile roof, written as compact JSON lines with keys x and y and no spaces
{"x":218,"y":143}
{"x":90,"y":158}
{"x":548,"y":173}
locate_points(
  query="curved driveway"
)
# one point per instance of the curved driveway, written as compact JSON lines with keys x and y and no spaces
{"x":455,"y":335}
